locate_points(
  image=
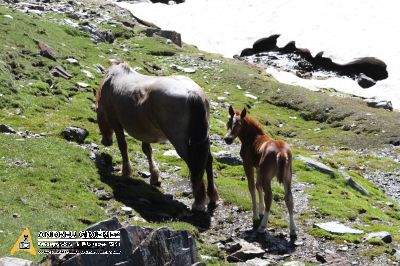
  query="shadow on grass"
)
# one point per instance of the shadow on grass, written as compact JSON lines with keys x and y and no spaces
{"x":148,"y":201}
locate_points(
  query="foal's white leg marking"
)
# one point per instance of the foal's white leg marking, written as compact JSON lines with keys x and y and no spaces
{"x":264,"y":223}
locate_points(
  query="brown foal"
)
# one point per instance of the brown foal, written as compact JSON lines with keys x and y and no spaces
{"x":269,"y":157}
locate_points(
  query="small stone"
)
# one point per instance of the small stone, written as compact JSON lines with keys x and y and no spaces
{"x":221,"y":98}
{"x":8,"y":16}
{"x":384,"y":236}
{"x":389,"y":204}
{"x":144,"y":174}
{"x":16,"y":215}
{"x":72,"y":61}
{"x":251,"y":96}
{"x":88,"y":73}
{"x":82,"y":84}
{"x":46,"y":51}
{"x":126,"y":210}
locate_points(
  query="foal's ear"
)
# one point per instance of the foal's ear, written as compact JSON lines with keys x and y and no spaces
{"x":231,"y":111}
{"x":243,"y":113}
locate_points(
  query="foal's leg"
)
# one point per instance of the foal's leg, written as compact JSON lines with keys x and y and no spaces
{"x":261,"y":206}
{"x":289,"y":205}
{"x":123,"y":147}
{"x":155,"y":173}
{"x":266,"y":184}
{"x":249,"y":171}
{"x":211,"y":190}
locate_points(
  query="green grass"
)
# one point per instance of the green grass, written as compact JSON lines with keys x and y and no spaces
{"x":52,"y":189}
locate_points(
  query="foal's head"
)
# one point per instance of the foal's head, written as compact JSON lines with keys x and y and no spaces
{"x":234,"y":124}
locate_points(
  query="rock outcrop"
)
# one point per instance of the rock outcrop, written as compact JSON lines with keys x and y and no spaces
{"x":138,"y":246}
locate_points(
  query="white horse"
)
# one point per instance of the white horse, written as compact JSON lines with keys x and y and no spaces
{"x":154,"y":110}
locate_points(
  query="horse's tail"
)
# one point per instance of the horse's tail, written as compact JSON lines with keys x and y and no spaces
{"x":198,"y":132}
{"x":283,"y":161}
{"x":198,"y":148}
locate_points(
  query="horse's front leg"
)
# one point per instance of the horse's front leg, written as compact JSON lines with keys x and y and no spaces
{"x":155,"y":173}
{"x":249,"y":171}
{"x":123,"y":147}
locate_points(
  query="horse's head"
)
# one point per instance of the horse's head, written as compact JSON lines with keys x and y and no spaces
{"x":106,"y":130}
{"x":234,"y":124}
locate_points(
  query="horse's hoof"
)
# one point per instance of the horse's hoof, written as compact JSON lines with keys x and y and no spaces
{"x":155,"y":184}
{"x":198,"y":207}
{"x":212,"y":206}
{"x":261,"y":230}
{"x":256,"y":223}
{"x":293,"y":237}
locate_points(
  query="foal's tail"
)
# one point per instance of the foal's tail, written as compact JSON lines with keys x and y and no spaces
{"x":283,"y":160}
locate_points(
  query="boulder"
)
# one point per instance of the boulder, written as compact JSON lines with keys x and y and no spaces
{"x":384,"y":236}
{"x":337,"y":228}
{"x":76,"y":134}
{"x":290,"y":47}
{"x":166,"y":247}
{"x":266,"y":44}
{"x":59,"y":72}
{"x":46,"y":51}
{"x":380,"y":104}
{"x":316,"y":165}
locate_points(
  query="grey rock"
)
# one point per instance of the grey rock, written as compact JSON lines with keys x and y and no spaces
{"x":76,"y":134}
{"x":337,"y":228}
{"x":384,"y":236}
{"x":353,"y":184}
{"x":7,"y":129}
{"x":316,"y":165}
{"x":259,"y":262}
{"x":380,"y":104}
{"x":144,"y":174}
{"x":247,"y":251}
{"x":46,"y":51}
{"x":227,"y":158}
{"x":9,"y":261}
{"x":59,"y":72}
{"x":397,"y":255}
{"x":365,"y":82}
{"x":174,"y":36}
{"x":166,"y":247}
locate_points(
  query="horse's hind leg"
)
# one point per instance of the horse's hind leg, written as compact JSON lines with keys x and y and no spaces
{"x":155,"y":173}
{"x":211,"y":190}
{"x":266,"y":184}
{"x":289,"y":205}
{"x":123,"y":147}
{"x":197,"y":161}
{"x":261,"y":206}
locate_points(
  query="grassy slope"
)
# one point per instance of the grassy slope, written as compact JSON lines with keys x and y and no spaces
{"x":54,"y":191}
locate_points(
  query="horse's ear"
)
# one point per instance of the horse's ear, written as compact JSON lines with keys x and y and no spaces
{"x":243,"y":113}
{"x":231,"y":111}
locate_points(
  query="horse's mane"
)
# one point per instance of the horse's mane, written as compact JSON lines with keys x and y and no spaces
{"x":251,"y":121}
